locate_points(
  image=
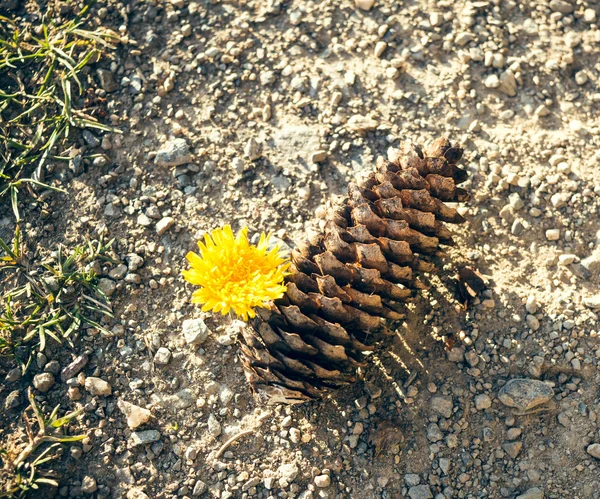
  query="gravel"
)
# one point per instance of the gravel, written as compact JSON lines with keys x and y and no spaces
{"x":261,"y":116}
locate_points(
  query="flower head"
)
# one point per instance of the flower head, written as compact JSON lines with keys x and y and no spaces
{"x":235,"y":275}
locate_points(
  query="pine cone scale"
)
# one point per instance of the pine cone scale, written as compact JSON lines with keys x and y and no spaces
{"x":349,"y":282}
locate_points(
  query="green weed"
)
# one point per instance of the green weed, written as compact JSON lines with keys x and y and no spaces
{"x":22,"y":466}
{"x":51,"y":298}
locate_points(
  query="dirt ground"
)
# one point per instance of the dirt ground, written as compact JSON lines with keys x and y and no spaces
{"x":279,"y":105}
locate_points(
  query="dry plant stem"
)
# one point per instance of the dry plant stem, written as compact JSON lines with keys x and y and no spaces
{"x":236,"y":437}
{"x":233,"y":439}
{"x":533,"y":411}
{"x":30,"y":449}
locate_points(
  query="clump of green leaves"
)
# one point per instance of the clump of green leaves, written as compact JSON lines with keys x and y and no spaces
{"x":41,"y":73}
{"x":51,"y":298}
{"x":23,"y":469}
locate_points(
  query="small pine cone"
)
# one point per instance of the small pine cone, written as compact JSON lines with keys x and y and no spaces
{"x":347,"y":286}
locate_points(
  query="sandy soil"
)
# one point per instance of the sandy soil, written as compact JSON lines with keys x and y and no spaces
{"x":280,"y":104}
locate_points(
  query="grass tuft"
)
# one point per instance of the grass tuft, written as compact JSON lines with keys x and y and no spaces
{"x":22,"y":471}
{"x":41,"y":73}
{"x":50,"y":299}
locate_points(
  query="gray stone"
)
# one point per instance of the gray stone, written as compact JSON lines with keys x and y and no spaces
{"x":512,"y":448}
{"x":532,"y":322}
{"x":191,"y":453}
{"x":107,"y":80}
{"x":564,"y":420}
{"x":594,"y":450}
{"x":412,"y":479}
{"x":444,"y":464}
{"x":97,"y":386}
{"x":253,"y":150}
{"x":442,"y":405}
{"x":253,"y":482}
{"x":181,"y":400}
{"x":434,"y":434}
{"x":112,"y":211}
{"x":74,"y":368}
{"x":52,"y":367}
{"x":561,"y":6}
{"x":420,"y":492}
{"x":533,"y":493}
{"x":124,"y":475}
{"x":267,"y":77}
{"x":472,"y":358}
{"x":43,"y":382}
{"x":134,"y":262}
{"x":138,"y":438}
{"x":463,"y":38}
{"x":143,"y":220}
{"x":12,"y":400}
{"x":118,"y":272}
{"x":513,"y":433}
{"x":508,"y":83}
{"x":41,"y":360}
{"x":456,"y":354}
{"x":194,"y":331}
{"x":482,"y":402}
{"x":199,"y":488}
{"x":525,"y":394}
{"x":162,"y":356}
{"x":214,"y":427}
{"x":173,"y":153}
{"x":361,"y":124}
{"x":136,"y":416}
{"x":107,"y":286}
{"x":13,"y":375}
{"x":90,"y":138}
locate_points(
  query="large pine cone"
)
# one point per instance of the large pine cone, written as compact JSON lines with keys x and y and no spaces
{"x":347,"y":286}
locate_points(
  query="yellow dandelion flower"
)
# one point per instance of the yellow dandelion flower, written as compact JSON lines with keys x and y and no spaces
{"x":235,"y":275}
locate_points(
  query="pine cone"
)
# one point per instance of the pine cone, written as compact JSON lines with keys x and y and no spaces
{"x":347,"y":286}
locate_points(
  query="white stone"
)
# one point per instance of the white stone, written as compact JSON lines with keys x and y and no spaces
{"x":164,"y":225}
{"x":594,"y":450}
{"x":97,"y":386}
{"x":194,"y":331}
{"x":364,"y":4}
{"x":322,"y":481}
{"x":162,"y":356}
{"x":482,"y":402}
{"x":136,"y":416}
